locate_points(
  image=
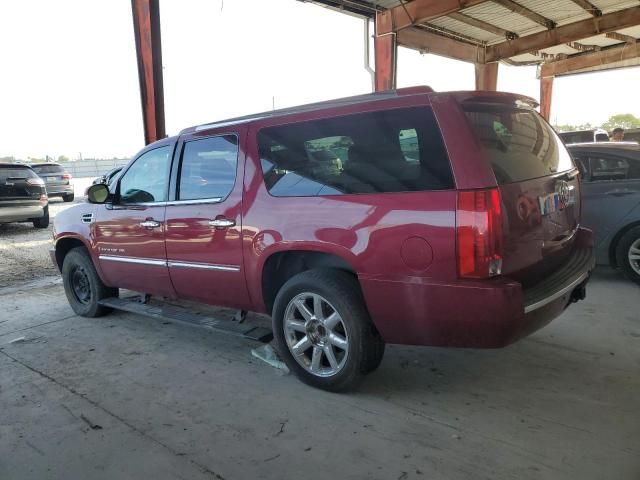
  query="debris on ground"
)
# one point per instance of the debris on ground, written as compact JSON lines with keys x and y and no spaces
{"x":18,"y":340}
{"x":93,"y":426}
{"x":267,"y":354}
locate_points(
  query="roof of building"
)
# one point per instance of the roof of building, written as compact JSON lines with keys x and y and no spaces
{"x":524,"y":32}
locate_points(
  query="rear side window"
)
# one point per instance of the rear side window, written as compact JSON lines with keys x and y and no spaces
{"x":208,"y":168}
{"x":44,"y":169}
{"x":15,"y":172}
{"x":604,"y":167}
{"x":519,"y":144}
{"x":389,"y":151}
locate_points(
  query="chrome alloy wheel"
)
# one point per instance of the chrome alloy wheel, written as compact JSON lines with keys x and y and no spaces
{"x":634,"y":256}
{"x":316,"y":335}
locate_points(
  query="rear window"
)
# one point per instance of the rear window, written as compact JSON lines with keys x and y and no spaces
{"x":15,"y":172}
{"x":397,"y":150}
{"x":519,"y":144}
{"x":44,"y":169}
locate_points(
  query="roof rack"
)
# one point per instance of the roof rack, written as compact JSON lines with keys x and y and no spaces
{"x":399,"y":92}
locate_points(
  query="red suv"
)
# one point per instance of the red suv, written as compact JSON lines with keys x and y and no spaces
{"x":408,"y":216}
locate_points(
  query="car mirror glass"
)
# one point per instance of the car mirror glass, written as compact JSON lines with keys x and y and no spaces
{"x":98,"y":193}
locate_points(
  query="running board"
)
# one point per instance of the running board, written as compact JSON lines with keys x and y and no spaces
{"x":180,"y":315}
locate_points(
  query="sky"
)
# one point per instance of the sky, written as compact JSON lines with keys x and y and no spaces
{"x":69,"y":84}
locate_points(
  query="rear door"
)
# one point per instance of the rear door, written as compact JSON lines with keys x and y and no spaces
{"x":538,"y":184}
{"x":204,"y":223}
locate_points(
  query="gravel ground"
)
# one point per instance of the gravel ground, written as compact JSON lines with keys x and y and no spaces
{"x":24,"y":250}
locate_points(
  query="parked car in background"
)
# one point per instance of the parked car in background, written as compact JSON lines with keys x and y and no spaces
{"x":611,"y":201}
{"x":57,"y":180}
{"x":581,"y":136}
{"x":23,"y":196}
{"x":108,"y":177}
{"x":408,"y":216}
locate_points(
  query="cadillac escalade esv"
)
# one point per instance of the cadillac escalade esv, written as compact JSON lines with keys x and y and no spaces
{"x":407,"y":216}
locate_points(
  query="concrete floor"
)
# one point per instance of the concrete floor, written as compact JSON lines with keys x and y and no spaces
{"x":170,"y":402}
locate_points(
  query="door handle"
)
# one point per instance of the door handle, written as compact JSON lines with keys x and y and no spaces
{"x":150,"y":224}
{"x":222,"y":223}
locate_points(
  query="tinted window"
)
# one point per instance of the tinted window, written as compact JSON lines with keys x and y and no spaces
{"x":208,"y":168}
{"x":391,"y":151}
{"x":44,"y":169}
{"x":147,"y":179}
{"x":15,"y":172}
{"x":519,"y":144}
{"x":612,"y":168}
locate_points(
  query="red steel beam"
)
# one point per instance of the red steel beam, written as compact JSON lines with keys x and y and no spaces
{"x":386,"y":49}
{"x":420,"y":11}
{"x":146,"y":28}
{"x":487,"y":76}
{"x":546,"y":92}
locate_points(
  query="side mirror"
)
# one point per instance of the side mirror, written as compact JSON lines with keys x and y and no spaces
{"x":98,"y":193}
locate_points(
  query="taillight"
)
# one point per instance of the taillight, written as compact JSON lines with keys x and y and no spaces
{"x":66,"y":176}
{"x":479,"y":233}
{"x":35,"y":181}
{"x":44,"y":200}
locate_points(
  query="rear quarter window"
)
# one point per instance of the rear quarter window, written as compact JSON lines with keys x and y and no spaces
{"x":519,"y":144}
{"x":399,"y":150}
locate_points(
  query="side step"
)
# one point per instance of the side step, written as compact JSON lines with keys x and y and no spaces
{"x":176,"y":314}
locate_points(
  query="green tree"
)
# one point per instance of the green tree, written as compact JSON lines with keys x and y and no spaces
{"x":622,"y":120}
{"x":63,"y":158}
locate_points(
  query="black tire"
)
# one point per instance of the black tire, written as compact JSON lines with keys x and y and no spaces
{"x":342,"y":293}
{"x":42,"y":222}
{"x":68,"y":198}
{"x":623,"y":250}
{"x":83,"y":286}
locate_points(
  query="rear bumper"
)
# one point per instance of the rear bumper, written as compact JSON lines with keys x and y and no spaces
{"x":20,"y":213}
{"x":59,"y":190}
{"x":475,"y":314}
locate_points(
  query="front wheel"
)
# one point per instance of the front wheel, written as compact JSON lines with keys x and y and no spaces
{"x":323,"y":330}
{"x":83,"y":286}
{"x":628,"y":254}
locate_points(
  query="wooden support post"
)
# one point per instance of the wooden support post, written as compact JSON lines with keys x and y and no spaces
{"x":546,"y":92}
{"x":487,"y":76}
{"x":146,"y":28}
{"x":386,"y":49}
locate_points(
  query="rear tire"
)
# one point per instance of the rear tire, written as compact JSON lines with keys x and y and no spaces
{"x":628,"y":254}
{"x":68,"y":198}
{"x":321,"y":315}
{"x":83,"y":286}
{"x":42,"y":222}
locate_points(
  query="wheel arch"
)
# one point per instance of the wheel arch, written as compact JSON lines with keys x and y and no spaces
{"x":281,"y":265}
{"x":64,"y":245}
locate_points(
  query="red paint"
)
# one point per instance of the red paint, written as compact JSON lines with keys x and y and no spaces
{"x":414,"y":297}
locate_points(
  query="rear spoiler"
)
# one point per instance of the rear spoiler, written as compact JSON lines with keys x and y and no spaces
{"x":494,"y":97}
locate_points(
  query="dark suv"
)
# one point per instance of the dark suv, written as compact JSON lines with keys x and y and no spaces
{"x":57,"y":179}
{"x":408,"y":216}
{"x":23,"y":196}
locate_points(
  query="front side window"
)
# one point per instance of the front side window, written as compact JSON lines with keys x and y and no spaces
{"x":147,"y":179}
{"x":518,"y":143}
{"x":208,"y":168}
{"x":398,"y":150}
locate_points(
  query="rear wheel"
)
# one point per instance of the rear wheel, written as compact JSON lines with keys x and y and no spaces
{"x":42,"y":222}
{"x":628,"y":254}
{"x":323,"y":330}
{"x":68,"y":198}
{"x":83,"y":286}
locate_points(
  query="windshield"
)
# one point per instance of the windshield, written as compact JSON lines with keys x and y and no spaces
{"x":518,"y":142}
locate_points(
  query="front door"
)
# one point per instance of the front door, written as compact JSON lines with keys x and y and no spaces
{"x":129,"y":233}
{"x":204,"y":223}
